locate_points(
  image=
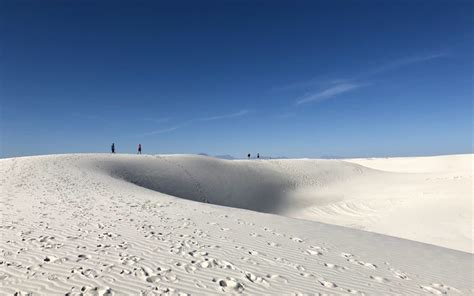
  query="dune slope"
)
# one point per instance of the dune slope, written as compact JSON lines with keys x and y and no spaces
{"x":432,"y":206}
{"x":125,"y":224}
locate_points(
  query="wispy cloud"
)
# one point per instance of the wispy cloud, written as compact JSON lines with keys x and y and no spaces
{"x":309,"y":84}
{"x":186,"y":123}
{"x":225,"y":116}
{"x":338,"y":87}
{"x":329,"y":92}
{"x":162,"y":131}
{"x":406,"y":61}
{"x":157,"y":120}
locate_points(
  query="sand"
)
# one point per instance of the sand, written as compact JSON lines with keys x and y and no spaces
{"x":97,"y":224}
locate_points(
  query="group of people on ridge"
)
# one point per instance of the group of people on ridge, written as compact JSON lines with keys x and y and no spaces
{"x":139,"y":148}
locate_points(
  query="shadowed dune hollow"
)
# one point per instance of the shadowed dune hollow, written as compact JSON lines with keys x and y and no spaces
{"x":264,"y":186}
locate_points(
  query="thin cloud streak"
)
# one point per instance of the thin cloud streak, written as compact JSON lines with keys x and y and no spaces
{"x":232,"y":115}
{"x":329,"y":92}
{"x":309,"y":84}
{"x":405,"y":62}
{"x":162,"y":131}
{"x":157,"y":120}
{"x":393,"y":65}
{"x":173,"y":128}
{"x":339,"y":87}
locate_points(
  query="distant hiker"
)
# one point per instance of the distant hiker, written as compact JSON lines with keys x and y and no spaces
{"x":139,"y":149}
{"x":258,"y":155}
{"x":248,"y":155}
{"x":113,"y":147}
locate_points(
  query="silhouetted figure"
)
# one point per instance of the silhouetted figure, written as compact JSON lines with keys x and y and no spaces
{"x":113,"y":147}
{"x":248,"y":155}
{"x":139,"y":148}
{"x":258,"y":155}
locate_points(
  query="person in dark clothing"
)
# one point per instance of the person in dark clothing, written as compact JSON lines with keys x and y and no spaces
{"x":248,"y":155}
{"x":113,"y":147}
{"x":258,"y":155}
{"x":139,"y":148}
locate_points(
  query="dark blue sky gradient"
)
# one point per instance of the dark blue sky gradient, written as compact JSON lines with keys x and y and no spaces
{"x":292,"y":78}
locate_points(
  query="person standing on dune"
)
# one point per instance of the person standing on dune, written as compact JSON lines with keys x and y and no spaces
{"x":113,"y":147}
{"x":139,"y":149}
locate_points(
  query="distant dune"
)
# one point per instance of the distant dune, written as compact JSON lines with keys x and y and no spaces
{"x":125,"y":224}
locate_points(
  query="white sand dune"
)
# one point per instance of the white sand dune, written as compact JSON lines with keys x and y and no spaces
{"x":124,"y":224}
{"x":433,"y":205}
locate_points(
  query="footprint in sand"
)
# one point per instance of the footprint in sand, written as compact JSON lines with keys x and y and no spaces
{"x":189,"y":268}
{"x":316,"y":250}
{"x":229,"y":285}
{"x":107,"y":278}
{"x":288,"y":263}
{"x":207,"y":263}
{"x":167,"y":276}
{"x":196,"y":253}
{"x":431,"y":290}
{"x":399,"y":274}
{"x":297,"y":239}
{"x":249,"y":260}
{"x":379,"y":279}
{"x":161,"y":290}
{"x":368,"y":265}
{"x":199,"y":284}
{"x":106,"y":235}
{"x":355,"y":292}
{"x":313,"y":252}
{"x":305,"y":274}
{"x":225,"y":264}
{"x":88,"y":290}
{"x":439,"y":289}
{"x":334,"y":266}
{"x":50,"y":258}
{"x":277,"y":278}
{"x":89,"y":273}
{"x":327,"y":284}
{"x":21,"y":293}
{"x":82,"y":257}
{"x":253,"y":252}
{"x":129,"y":259}
{"x":352,"y":259}
{"x":256,"y":279}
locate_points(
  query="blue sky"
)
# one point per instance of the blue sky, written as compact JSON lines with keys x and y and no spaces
{"x":282,"y":78}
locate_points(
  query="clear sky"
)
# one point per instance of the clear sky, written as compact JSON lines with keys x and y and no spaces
{"x":292,"y":78}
